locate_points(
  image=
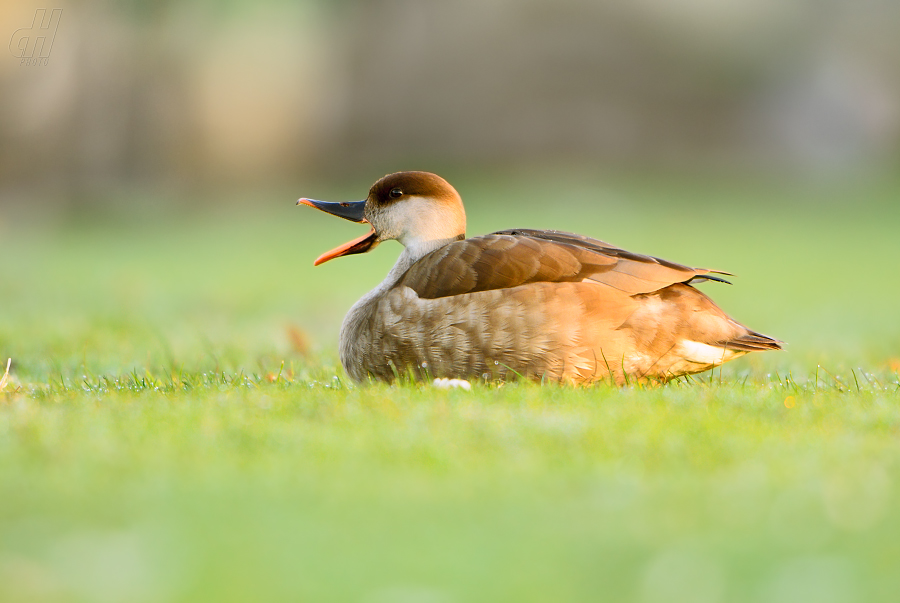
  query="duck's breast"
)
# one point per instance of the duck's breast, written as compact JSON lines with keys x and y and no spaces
{"x":538,"y":330}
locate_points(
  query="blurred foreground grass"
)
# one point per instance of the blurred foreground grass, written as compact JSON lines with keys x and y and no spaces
{"x":167,"y":435}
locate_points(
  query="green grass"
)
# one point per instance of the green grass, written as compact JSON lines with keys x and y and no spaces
{"x":163,"y":438}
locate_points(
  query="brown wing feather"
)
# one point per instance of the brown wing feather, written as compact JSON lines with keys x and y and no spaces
{"x":512,"y":258}
{"x":634,"y":273}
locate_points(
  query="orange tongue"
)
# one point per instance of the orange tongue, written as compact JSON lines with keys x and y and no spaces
{"x":360,"y":245}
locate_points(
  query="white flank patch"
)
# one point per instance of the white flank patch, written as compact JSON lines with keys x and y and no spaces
{"x":702,"y":353}
{"x":452,"y":384}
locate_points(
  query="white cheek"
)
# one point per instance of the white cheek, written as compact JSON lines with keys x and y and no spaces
{"x":418,"y":220}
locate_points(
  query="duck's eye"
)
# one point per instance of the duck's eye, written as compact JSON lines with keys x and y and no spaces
{"x":396,"y":193}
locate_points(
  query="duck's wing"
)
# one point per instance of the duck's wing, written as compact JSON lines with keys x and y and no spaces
{"x":510,"y":258}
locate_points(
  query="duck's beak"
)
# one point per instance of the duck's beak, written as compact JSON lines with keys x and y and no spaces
{"x":350,"y":210}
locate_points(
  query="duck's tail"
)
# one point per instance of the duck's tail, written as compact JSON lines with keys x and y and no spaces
{"x":751,"y":341}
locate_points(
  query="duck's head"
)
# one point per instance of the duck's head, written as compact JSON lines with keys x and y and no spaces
{"x":419,"y":209}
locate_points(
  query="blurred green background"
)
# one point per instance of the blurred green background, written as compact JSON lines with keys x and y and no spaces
{"x":176,"y":426}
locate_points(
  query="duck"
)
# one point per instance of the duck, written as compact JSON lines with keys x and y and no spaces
{"x":542,"y":305}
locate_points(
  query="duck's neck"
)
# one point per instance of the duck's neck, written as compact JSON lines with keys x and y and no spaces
{"x":413,"y":251}
{"x":353,"y":336}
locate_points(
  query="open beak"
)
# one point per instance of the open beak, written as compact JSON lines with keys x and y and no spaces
{"x":350,"y":210}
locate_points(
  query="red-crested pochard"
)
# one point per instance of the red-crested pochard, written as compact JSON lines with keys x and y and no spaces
{"x":540,"y":304}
